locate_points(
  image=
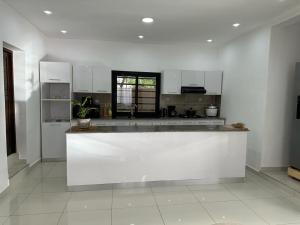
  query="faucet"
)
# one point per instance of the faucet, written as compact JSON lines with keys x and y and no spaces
{"x":132,"y":111}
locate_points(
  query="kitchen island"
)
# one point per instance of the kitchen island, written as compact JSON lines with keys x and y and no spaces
{"x":142,"y":154}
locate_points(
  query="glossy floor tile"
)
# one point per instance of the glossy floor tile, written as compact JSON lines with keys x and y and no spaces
{"x":41,"y":219}
{"x":233,"y":212}
{"x":10,"y":203}
{"x":2,"y":219}
{"x":133,"y":200}
{"x":277,"y":210}
{"x":171,"y":198}
{"x":214,"y":194}
{"x":137,"y":216}
{"x":43,"y":203}
{"x":86,"y":218}
{"x":90,"y":200}
{"x":39,"y":195}
{"x":188,"y":214}
{"x":250,"y":191}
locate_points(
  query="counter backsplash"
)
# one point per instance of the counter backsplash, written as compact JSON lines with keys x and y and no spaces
{"x":182,"y":102}
{"x":187,"y":101}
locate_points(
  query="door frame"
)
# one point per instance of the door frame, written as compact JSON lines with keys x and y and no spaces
{"x":11,"y":127}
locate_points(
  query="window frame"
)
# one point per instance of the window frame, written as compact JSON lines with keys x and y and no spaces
{"x":116,"y":74}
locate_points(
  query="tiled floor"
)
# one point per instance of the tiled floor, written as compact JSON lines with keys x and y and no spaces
{"x":40,"y":197}
{"x":15,"y":164}
{"x":282,"y":177}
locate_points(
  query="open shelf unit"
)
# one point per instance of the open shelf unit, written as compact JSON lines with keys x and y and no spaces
{"x":56,"y":109}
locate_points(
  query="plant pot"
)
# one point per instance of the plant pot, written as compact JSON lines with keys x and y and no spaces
{"x":84,"y":123}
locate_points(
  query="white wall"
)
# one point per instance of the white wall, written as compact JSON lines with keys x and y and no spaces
{"x":136,"y":57}
{"x":284,"y":53}
{"x":16,"y":31}
{"x":245,"y":64}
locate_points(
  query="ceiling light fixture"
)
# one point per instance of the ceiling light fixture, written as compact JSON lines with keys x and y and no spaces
{"x":209,"y":40}
{"x":141,"y":37}
{"x":47,"y":12}
{"x":236,"y":25}
{"x":64,"y":31}
{"x":148,"y":20}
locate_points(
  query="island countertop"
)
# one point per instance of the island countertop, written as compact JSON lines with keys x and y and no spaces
{"x":145,"y":129}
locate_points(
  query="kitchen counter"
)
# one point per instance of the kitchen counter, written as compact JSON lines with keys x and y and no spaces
{"x":145,"y":129}
{"x":139,"y":154}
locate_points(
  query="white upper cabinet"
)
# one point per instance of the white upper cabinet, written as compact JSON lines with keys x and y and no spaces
{"x":101,"y":79}
{"x":213,"y":82}
{"x":192,"y":78}
{"x":83,"y":79}
{"x":55,"y":72}
{"x":171,"y":82}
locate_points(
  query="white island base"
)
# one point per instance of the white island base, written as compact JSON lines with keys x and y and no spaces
{"x":97,"y":158}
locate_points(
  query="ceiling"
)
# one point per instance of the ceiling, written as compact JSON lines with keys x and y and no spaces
{"x":176,"y":21}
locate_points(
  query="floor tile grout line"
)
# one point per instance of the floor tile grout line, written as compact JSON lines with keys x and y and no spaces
{"x":255,"y":213}
{"x":111,"y":205}
{"x":157,"y":206}
{"x":210,"y":216}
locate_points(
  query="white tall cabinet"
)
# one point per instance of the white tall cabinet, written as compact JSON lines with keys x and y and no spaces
{"x":55,"y":87}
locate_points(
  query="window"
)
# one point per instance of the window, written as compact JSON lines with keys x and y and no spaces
{"x":135,"y":92}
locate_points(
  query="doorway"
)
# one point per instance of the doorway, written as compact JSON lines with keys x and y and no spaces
{"x":9,"y":101}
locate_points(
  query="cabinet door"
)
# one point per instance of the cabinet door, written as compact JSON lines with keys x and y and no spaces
{"x":55,"y":72}
{"x":171,"y":82}
{"x":83,"y":79}
{"x":54,"y":140}
{"x":192,"y":78}
{"x":101,"y":79}
{"x":213,"y":82}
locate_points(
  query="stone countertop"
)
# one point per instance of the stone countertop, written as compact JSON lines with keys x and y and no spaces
{"x":145,"y":129}
{"x":153,"y":119}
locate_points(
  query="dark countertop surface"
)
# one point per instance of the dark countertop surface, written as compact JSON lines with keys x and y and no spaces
{"x":144,"y":129}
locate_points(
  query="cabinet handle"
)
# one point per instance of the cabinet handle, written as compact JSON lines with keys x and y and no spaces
{"x":54,"y":79}
{"x":172,"y":92}
{"x":84,"y":90}
{"x":101,"y":91}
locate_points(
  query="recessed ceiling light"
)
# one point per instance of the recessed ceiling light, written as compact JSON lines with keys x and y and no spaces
{"x":141,"y":37}
{"x":47,"y":12}
{"x":64,"y":31}
{"x":148,"y":20}
{"x":236,"y":25}
{"x":209,"y":40}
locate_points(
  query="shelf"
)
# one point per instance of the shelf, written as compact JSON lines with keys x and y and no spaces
{"x":56,"y":100}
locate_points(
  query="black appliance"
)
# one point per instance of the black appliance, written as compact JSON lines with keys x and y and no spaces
{"x":196,"y":90}
{"x":172,"y":111}
{"x":93,"y":114}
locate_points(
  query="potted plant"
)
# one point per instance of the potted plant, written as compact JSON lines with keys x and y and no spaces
{"x":82,"y":121}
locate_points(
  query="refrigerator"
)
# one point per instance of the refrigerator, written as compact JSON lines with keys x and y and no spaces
{"x":295,"y":137}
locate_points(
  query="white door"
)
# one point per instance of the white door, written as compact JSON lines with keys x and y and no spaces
{"x":213,"y":82}
{"x":101,"y":79}
{"x":83,"y":79}
{"x":55,"y":72}
{"x":191,"y":78}
{"x":171,"y":82}
{"x":54,"y":140}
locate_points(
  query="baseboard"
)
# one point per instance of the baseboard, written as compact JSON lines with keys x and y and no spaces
{"x":252,"y":169}
{"x":4,"y":190}
{"x":94,"y":187}
{"x":54,"y":160}
{"x":34,"y":163}
{"x":270,"y":169}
